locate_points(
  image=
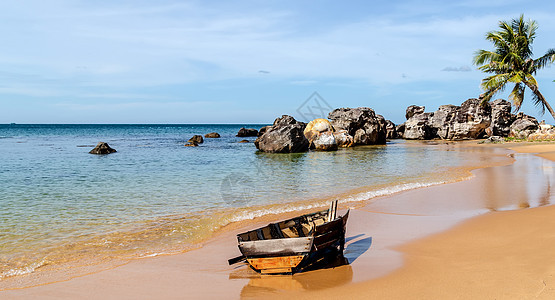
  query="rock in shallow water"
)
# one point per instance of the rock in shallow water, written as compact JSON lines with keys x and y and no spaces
{"x":285,"y":136}
{"x":102,"y":148}
{"x":196,"y":139}
{"x":212,"y":135}
{"x":246,"y":132}
{"x":320,"y":135}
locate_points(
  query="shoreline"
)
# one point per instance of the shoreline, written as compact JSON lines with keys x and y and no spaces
{"x":226,"y":241}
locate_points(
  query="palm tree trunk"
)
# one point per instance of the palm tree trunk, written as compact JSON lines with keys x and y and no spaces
{"x":544,"y":102}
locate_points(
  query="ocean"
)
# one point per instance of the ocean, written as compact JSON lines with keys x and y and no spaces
{"x":61,"y":206}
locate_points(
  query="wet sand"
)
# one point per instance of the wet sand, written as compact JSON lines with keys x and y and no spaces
{"x":398,"y":247}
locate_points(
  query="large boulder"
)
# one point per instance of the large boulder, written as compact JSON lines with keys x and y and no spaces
{"x":501,"y":118}
{"x":361,"y":123}
{"x":523,"y":126}
{"x":262,"y":130}
{"x":102,"y":148}
{"x":471,"y":120}
{"x":285,"y":136}
{"x":414,"y":110}
{"x":417,"y":127}
{"x":442,"y":120}
{"x":343,"y":139}
{"x":320,"y":135}
{"x":245,"y":132}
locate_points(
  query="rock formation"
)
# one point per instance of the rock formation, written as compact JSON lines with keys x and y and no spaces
{"x":246,"y":132}
{"x":523,"y":126}
{"x":320,"y":135}
{"x":361,"y":123}
{"x":212,"y":135}
{"x":197,"y":139}
{"x":102,"y":148}
{"x":284,"y":136}
{"x":501,"y":118}
{"x":472,"y":120}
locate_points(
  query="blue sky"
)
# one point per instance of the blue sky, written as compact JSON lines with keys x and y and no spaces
{"x":246,"y":62}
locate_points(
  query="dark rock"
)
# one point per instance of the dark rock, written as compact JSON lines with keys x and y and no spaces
{"x":400,"y":129}
{"x":212,"y":135}
{"x":191,"y":144}
{"x":263,"y":130}
{"x":102,"y":148}
{"x":243,"y":141}
{"x":390,"y":130}
{"x":285,"y":136}
{"x":414,"y":110}
{"x":246,"y":132}
{"x":196,"y":139}
{"x":361,"y":123}
{"x":501,"y":118}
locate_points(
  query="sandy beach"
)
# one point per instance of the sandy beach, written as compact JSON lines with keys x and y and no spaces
{"x":492,"y":239}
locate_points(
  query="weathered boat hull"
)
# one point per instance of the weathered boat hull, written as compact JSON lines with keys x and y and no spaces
{"x":293,"y":245}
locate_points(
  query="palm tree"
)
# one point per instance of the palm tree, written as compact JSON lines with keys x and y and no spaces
{"x":511,"y":62}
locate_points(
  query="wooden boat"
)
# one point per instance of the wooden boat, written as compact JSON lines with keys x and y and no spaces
{"x":295,"y":244}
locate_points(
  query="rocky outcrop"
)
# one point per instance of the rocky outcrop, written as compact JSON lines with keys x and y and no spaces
{"x":414,"y":110}
{"x":196,"y":139}
{"x":320,"y":135}
{"x":246,"y":132}
{"x":417,"y":127}
{"x":343,"y":139}
{"x":361,"y":123}
{"x":471,"y":120}
{"x":523,"y":126}
{"x":501,"y":118}
{"x":390,"y":130}
{"x":263,"y":130}
{"x":102,"y":148}
{"x":441,"y":119}
{"x":212,"y":135}
{"x":284,"y":136}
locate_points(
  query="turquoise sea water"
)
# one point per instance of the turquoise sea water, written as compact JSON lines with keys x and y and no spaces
{"x":59,"y":204}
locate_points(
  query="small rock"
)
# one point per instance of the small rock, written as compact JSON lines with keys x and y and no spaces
{"x":244,"y":141}
{"x":492,"y":140}
{"x":196,"y":139}
{"x":212,"y":135}
{"x":102,"y":148}
{"x":191,"y":144}
{"x":246,"y":132}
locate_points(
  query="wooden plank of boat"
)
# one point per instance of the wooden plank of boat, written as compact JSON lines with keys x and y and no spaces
{"x":288,"y":246}
{"x":273,"y":265}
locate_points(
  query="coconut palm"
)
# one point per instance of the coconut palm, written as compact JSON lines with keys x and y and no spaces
{"x":511,"y":62}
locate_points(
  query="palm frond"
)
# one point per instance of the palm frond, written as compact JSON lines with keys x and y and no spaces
{"x":483,"y":56}
{"x":546,"y":59}
{"x":517,"y":95}
{"x":494,"y":84}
